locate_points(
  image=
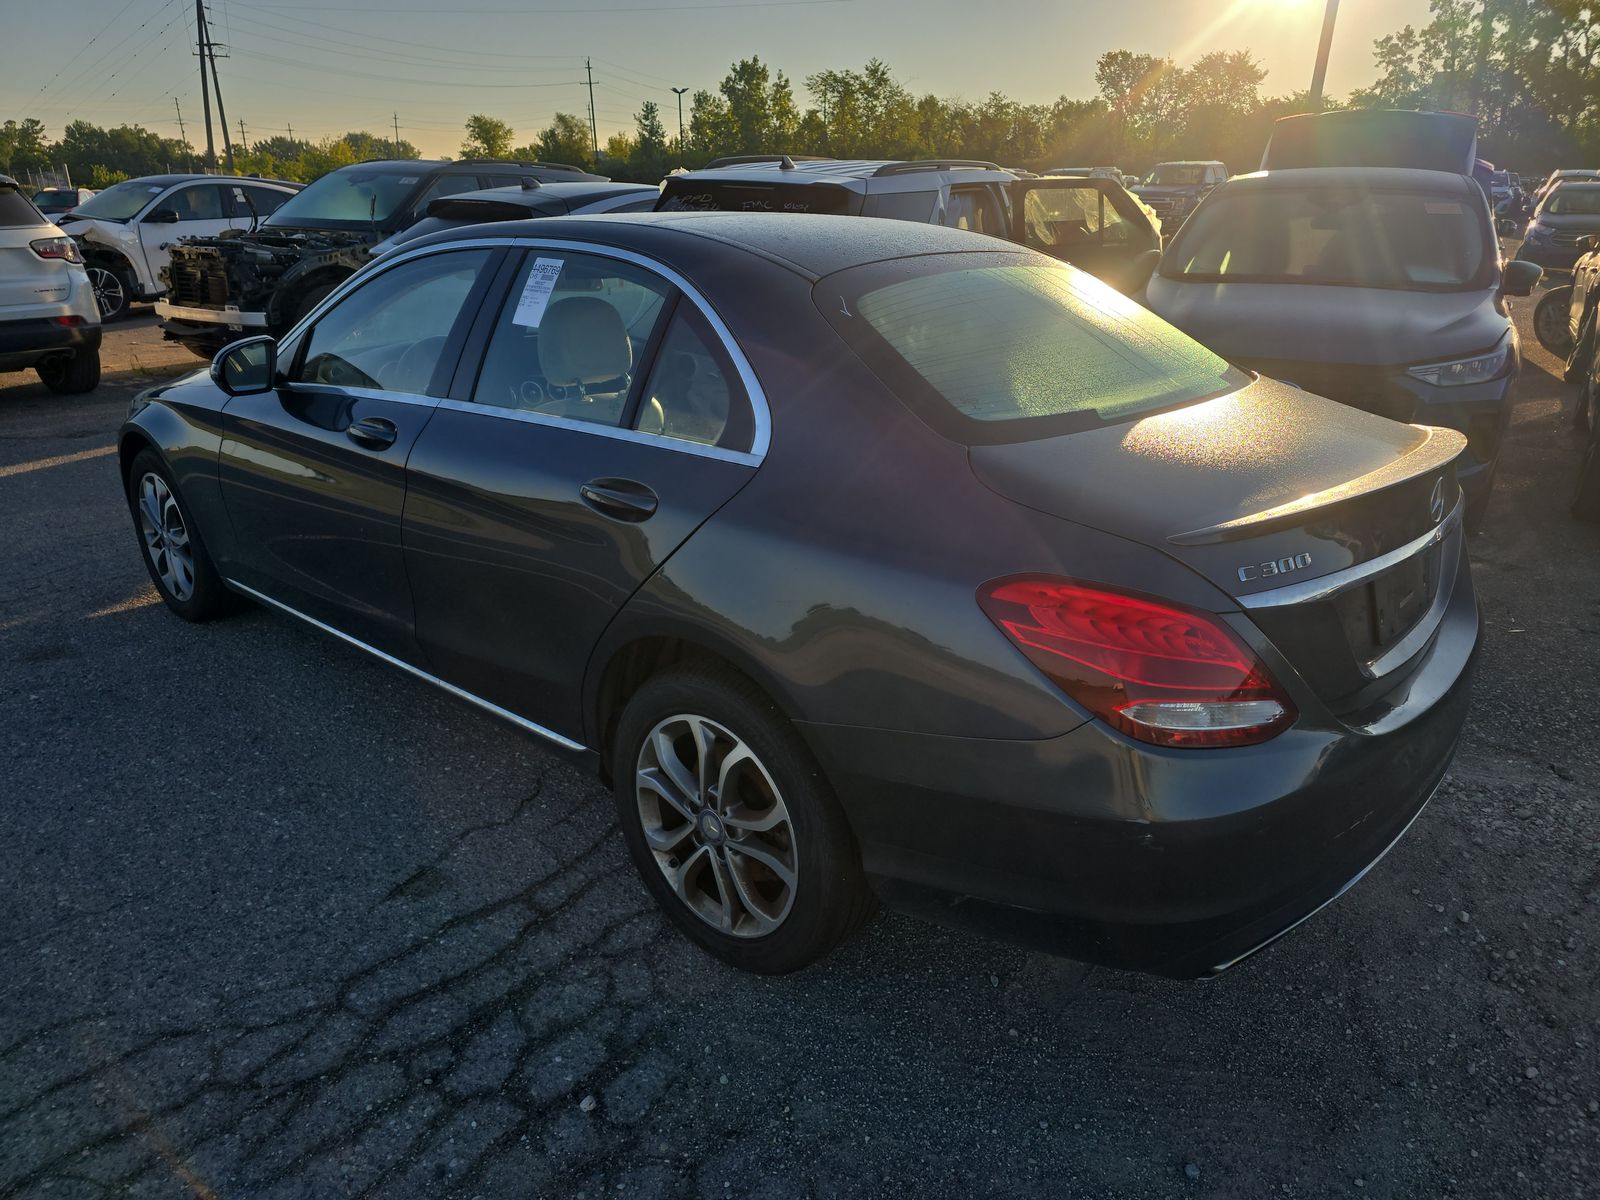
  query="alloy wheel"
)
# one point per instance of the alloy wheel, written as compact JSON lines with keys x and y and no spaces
{"x":717,"y":826}
{"x":109,"y":293}
{"x":166,"y":536}
{"x":1550,"y":328}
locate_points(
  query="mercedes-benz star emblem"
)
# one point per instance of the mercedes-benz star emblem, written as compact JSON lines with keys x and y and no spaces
{"x":1436,"y":501}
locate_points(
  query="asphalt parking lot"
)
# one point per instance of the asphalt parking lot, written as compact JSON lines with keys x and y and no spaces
{"x":278,"y":921}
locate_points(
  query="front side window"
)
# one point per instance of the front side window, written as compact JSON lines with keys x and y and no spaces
{"x":1395,"y":239}
{"x":1001,"y":348}
{"x":569,"y":338}
{"x":201,"y":203}
{"x":391,"y":332}
{"x":1057,"y":219}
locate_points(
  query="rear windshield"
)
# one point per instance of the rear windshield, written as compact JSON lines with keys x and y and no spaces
{"x":1005,"y":348}
{"x":121,"y":201}
{"x":349,"y":199}
{"x":1573,"y":201}
{"x":1175,"y":175}
{"x":699,"y":195}
{"x":1397,"y":240}
{"x":16,"y":210}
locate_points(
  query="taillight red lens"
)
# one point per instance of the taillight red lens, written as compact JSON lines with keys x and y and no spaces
{"x":1159,"y":672}
{"x":57,"y":247}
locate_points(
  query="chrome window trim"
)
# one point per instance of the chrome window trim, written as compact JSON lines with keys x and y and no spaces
{"x":756,"y":396}
{"x":363,"y":393}
{"x":565,"y":743}
{"x":1331,"y":585}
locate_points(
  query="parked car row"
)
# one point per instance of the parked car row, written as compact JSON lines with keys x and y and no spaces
{"x":49,"y":321}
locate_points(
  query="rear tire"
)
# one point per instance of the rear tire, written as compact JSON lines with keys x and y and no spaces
{"x":1550,"y":321}
{"x":749,"y":855}
{"x":71,"y":375}
{"x":171,"y":546}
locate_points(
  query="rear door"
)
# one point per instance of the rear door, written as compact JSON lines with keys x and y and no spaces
{"x":313,"y":472}
{"x":1090,"y":223}
{"x":606,"y":416}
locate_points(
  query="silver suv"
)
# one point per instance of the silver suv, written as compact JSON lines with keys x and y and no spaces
{"x":1092,"y":223}
{"x":128,"y":230}
{"x":48,"y":318}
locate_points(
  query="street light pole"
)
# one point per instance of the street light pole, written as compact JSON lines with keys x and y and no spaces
{"x":680,"y":92}
{"x":1320,"y":74}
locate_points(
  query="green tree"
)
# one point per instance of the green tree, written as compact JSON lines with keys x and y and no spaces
{"x":23,"y":146}
{"x":567,"y":140}
{"x":649,"y":160}
{"x":487,"y":137}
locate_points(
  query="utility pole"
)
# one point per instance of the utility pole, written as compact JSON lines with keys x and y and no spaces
{"x":183,"y":134}
{"x":244,"y":144}
{"x":594,"y":130}
{"x":291,"y":131}
{"x":1319,"y":75}
{"x":205,"y":82}
{"x":222,"y":116}
{"x":397,"y":135}
{"x":679,"y":93}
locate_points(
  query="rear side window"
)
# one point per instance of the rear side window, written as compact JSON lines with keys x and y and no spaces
{"x":975,"y":209}
{"x":902,"y":206}
{"x":690,"y":195}
{"x":1001,"y":348}
{"x":16,"y":209}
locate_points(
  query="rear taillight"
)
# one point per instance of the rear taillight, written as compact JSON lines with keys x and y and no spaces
{"x":57,"y":247}
{"x":1164,"y":674}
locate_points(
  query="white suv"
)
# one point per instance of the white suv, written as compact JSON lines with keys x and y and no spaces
{"x":48,"y":317}
{"x":127,"y":230}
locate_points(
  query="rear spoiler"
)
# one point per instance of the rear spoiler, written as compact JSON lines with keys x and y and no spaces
{"x":1437,"y":448}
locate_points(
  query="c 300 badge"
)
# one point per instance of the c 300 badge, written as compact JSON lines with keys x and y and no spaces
{"x":1279,"y":566}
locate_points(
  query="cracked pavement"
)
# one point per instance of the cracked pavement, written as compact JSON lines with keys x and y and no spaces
{"x":278,"y":921}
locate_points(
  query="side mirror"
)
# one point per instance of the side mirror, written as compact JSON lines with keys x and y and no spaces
{"x":1519,"y":278}
{"x":247,"y":367}
{"x":163,"y":216}
{"x":1140,"y":270}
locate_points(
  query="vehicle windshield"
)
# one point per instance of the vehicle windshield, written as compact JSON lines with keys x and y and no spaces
{"x":1500,"y":179}
{"x":1574,"y":201}
{"x":121,"y":201}
{"x":1399,"y":240}
{"x":350,"y":199}
{"x":1175,"y":175}
{"x":1005,"y":348}
{"x":55,"y":201}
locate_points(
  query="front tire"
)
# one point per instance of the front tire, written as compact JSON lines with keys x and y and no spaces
{"x":113,"y":290}
{"x":71,"y":374}
{"x":1550,"y":321}
{"x":171,"y":546}
{"x":732,"y":825}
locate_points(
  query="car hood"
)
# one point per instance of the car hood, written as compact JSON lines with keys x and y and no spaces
{"x":1366,"y":326}
{"x":1584,"y":222}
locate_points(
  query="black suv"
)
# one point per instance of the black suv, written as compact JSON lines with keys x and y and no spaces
{"x":1092,"y":223}
{"x":265,"y":279}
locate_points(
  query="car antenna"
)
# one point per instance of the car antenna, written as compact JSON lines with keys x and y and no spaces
{"x":529,"y":183}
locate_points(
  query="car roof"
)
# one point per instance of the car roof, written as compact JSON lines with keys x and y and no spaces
{"x":809,"y":244}
{"x":842,"y":171}
{"x":1321,"y":177}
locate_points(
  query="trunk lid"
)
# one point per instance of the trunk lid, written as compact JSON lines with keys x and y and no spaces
{"x":1261,"y":491}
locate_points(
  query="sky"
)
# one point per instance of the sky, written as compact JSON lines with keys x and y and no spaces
{"x":324,"y":68}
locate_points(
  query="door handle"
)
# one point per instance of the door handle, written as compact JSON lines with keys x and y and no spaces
{"x":623,"y":499}
{"x":375,"y":433}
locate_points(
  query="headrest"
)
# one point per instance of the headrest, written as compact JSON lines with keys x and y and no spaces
{"x":582,"y":341}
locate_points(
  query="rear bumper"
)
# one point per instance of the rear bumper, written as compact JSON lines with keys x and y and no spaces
{"x":1173,"y":862}
{"x":25,"y":343}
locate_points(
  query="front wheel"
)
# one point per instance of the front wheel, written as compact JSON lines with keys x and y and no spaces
{"x":113,"y":291}
{"x":174,"y":553}
{"x":1550,"y":321}
{"x":732,"y":825}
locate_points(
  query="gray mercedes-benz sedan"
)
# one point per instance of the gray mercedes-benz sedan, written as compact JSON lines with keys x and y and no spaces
{"x":863,"y":559}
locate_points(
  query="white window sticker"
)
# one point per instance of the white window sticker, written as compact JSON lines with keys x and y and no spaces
{"x":409,"y":178}
{"x":536,"y":292}
{"x":155,"y":191}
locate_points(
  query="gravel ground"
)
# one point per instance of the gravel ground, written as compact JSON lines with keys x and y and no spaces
{"x":277,"y":921}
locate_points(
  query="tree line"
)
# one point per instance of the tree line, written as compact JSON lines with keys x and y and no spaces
{"x":1529,"y":68}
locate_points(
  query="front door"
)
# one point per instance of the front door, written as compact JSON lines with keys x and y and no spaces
{"x":1091,"y":223}
{"x":202,"y":210}
{"x":607,"y":421}
{"x":313,"y":472}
